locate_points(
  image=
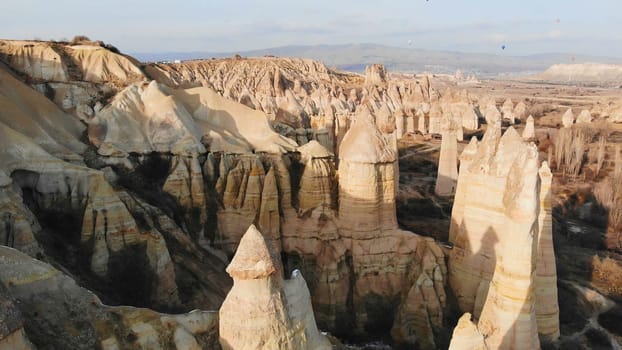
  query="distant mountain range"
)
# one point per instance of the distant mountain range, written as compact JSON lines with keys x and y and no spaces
{"x":354,"y":57}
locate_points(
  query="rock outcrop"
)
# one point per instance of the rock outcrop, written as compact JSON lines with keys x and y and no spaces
{"x":59,"y":62}
{"x":60,"y":314}
{"x":375,"y":75}
{"x":529,"y":132}
{"x":262,"y":310}
{"x":447,"y":176}
{"x":568,"y":118}
{"x":584,"y":117}
{"x":500,"y":234}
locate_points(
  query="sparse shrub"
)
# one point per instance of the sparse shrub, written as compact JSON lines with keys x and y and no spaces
{"x":111,"y":48}
{"x":600,"y":153}
{"x":608,"y":193}
{"x":80,"y":39}
{"x":570,"y":147}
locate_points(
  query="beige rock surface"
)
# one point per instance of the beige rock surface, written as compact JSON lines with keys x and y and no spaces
{"x":317,"y":185}
{"x":466,"y":336}
{"x":262,"y":310}
{"x":37,"y":60}
{"x":30,"y":113}
{"x":529,"y":132}
{"x":584,"y":117}
{"x":545,"y":281}
{"x":568,"y":118}
{"x":60,"y":62}
{"x":367,"y":174}
{"x":496,"y":230}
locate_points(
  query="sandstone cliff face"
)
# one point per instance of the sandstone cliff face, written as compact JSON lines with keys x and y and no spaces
{"x":529,"y":131}
{"x":317,"y":183}
{"x":61,"y":62}
{"x":78,"y":79}
{"x":500,"y":235}
{"x":60,"y":314}
{"x":367,"y":174}
{"x":262,"y":310}
{"x":56,"y":208}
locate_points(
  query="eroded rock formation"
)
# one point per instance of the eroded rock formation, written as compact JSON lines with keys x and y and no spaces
{"x":60,"y":314}
{"x":262,"y":310}
{"x":501,"y":235}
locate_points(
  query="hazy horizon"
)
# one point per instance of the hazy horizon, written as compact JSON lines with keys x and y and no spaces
{"x":478,"y":26}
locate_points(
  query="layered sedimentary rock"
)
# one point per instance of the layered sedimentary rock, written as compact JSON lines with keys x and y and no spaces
{"x":317,"y":184}
{"x":262,"y":310}
{"x":60,"y":314}
{"x":34,"y":116}
{"x":92,"y":227}
{"x":151,"y":117}
{"x":498,"y":221}
{"x":62,"y":62}
{"x":508,"y":316}
{"x":107,"y":227}
{"x":367,"y":173}
{"x":547,"y":308}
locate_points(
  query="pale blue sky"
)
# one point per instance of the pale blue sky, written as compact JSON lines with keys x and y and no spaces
{"x":525,"y":27}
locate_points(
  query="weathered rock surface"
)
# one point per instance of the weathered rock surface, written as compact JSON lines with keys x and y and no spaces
{"x":501,"y":233}
{"x":262,"y":310}
{"x":375,"y":74}
{"x":466,"y":336}
{"x":60,"y":314}
{"x":447,"y":176}
{"x":568,"y":118}
{"x":61,"y":62}
{"x":584,"y":117}
{"x":529,"y":132}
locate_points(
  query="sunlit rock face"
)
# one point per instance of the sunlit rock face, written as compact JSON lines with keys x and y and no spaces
{"x":501,"y":234}
{"x":447,"y":175}
{"x":56,"y":208}
{"x":367,"y":172}
{"x":262,"y":310}
{"x":529,"y":132}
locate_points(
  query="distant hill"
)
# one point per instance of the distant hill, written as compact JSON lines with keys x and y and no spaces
{"x":354,"y":57}
{"x":586,"y":73}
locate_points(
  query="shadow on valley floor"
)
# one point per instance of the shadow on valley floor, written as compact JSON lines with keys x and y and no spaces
{"x":589,"y":276}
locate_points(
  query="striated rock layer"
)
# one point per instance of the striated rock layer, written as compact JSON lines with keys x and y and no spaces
{"x":262,"y":310}
{"x":499,"y":266}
